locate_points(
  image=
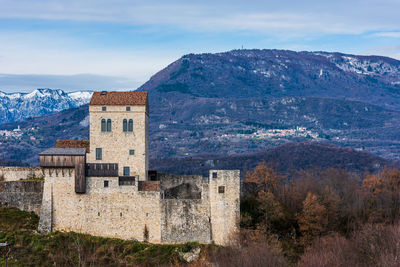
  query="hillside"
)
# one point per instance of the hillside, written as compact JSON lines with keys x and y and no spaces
{"x":40,"y":133}
{"x":286,"y":159}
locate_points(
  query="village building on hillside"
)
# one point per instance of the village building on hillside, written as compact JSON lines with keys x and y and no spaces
{"x":103,"y":186}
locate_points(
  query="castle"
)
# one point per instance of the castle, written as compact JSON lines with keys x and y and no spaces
{"x":103,"y":186}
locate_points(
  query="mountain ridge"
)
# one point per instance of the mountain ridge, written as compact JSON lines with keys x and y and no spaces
{"x":19,"y":106}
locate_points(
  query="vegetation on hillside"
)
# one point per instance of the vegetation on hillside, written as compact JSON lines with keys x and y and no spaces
{"x":323,"y":218}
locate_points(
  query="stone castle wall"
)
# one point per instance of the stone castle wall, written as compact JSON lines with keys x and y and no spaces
{"x":193,"y":210}
{"x":19,"y":173}
{"x":185,"y":209}
{"x":114,"y":211}
{"x":24,"y":195}
{"x":116,"y":144}
{"x":224,"y":207}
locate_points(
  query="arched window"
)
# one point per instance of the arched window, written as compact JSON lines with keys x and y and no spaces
{"x":109,"y":125}
{"x":125,"y":125}
{"x":130,"y":125}
{"x":103,"y":125}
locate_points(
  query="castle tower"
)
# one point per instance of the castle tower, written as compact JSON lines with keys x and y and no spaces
{"x":119,"y":123}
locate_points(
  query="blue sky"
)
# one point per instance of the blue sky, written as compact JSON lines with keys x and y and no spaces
{"x":119,"y":44}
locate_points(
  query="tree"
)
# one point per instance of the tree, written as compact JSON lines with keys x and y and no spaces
{"x":265,"y":177}
{"x":312,"y":220}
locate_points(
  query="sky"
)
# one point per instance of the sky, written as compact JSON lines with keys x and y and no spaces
{"x":119,"y":44}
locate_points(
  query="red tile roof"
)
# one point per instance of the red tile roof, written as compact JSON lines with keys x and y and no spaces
{"x":119,"y":98}
{"x":149,"y":186}
{"x":73,"y":144}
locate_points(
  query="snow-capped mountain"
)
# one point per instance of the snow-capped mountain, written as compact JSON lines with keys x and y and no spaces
{"x":19,"y":106}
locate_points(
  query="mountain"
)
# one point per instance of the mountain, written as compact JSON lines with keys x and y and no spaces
{"x":40,"y":133}
{"x":244,"y":101}
{"x":287,"y":158}
{"x":19,"y":106}
{"x":281,"y":73}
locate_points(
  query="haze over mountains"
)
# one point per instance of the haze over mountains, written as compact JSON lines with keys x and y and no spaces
{"x":239,"y":102}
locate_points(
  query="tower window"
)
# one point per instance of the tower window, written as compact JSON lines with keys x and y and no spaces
{"x":125,"y":125}
{"x":130,"y":125}
{"x":109,"y":125}
{"x":103,"y":108}
{"x":99,"y":154}
{"x":221,"y":189}
{"x":214,"y":175}
{"x":131,"y":152}
{"x":128,"y":108}
{"x":126,"y":171}
{"x":103,"y":125}
{"x":106,"y":183}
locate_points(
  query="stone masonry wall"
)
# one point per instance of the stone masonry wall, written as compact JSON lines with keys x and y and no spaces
{"x":224,"y":207}
{"x":113,"y":211}
{"x":24,"y":195}
{"x":127,"y":213}
{"x":116,"y":144}
{"x":19,"y":173}
{"x":185,"y":220}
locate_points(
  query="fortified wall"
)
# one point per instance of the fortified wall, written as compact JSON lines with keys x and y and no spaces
{"x":177,"y":209}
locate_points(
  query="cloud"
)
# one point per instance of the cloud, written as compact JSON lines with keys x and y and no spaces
{"x":308,"y":16}
{"x":26,"y":83}
{"x":387,"y":34}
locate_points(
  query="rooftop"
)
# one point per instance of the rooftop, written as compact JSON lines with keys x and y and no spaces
{"x":73,"y":144}
{"x":118,"y":98}
{"x":64,"y":152}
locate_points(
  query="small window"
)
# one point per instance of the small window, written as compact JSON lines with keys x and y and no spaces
{"x":126,"y":171}
{"x":99,"y":154}
{"x":128,"y":108}
{"x":214,"y":174}
{"x":103,"y":125}
{"x":131,"y":152}
{"x":130,"y":125}
{"x":105,"y":183}
{"x":221,"y":189}
{"x":125,"y":125}
{"x":109,"y":125}
{"x":103,"y":108}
